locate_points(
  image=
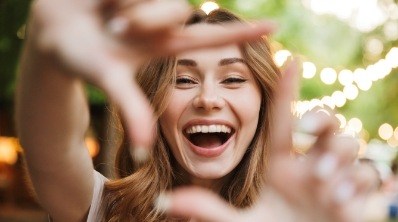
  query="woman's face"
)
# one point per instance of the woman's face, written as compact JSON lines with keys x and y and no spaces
{"x":213,"y":111}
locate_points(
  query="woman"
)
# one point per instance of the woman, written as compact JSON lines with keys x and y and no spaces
{"x":212,"y":106}
{"x":214,"y":110}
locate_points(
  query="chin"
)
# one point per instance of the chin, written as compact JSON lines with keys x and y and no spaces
{"x":210,"y":171}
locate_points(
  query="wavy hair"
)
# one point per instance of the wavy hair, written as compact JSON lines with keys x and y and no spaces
{"x":131,"y":196}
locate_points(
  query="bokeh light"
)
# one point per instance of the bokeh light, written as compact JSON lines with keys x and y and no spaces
{"x":350,"y":92}
{"x":328,"y":76}
{"x":346,"y":77}
{"x":342,"y":120}
{"x":355,"y":124}
{"x":385,"y":131}
{"x":209,"y":6}
{"x":309,"y":70}
{"x":281,"y":56}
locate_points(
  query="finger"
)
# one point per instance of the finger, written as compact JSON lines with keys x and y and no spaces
{"x":197,"y":203}
{"x":212,"y":36}
{"x":120,"y":4}
{"x":318,"y":122}
{"x":367,"y":178}
{"x":345,"y":196}
{"x":342,"y":152}
{"x":282,"y":120}
{"x":349,"y":183}
{"x":157,"y":17}
{"x":280,"y":173}
{"x":283,"y":173}
{"x":135,"y":110}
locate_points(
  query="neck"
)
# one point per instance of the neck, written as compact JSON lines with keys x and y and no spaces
{"x":211,"y":184}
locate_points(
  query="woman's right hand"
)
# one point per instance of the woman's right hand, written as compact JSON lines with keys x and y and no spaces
{"x":103,"y":42}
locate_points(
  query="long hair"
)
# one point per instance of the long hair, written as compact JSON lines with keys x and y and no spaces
{"x":131,"y":197}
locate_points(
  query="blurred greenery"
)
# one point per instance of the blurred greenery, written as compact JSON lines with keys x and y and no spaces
{"x":321,"y":39}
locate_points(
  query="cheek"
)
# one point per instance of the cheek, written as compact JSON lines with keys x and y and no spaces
{"x":247,"y":106}
{"x":171,"y":116}
{"x":172,"y":106}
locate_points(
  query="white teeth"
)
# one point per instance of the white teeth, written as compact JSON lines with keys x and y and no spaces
{"x":223,"y":129}
{"x":208,"y":129}
{"x":205,"y":129}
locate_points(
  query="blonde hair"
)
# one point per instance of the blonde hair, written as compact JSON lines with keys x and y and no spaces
{"x":132,"y":196}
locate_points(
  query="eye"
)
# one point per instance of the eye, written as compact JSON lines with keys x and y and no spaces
{"x":182,"y":81}
{"x":233,"y":80}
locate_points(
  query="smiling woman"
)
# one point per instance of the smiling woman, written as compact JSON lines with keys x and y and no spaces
{"x":213,"y":106}
{"x":199,"y":105}
{"x":222,"y":91}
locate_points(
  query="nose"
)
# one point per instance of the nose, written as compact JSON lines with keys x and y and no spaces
{"x":208,"y":100}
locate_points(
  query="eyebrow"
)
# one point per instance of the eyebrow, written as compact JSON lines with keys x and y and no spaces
{"x":223,"y":62}
{"x":228,"y":61}
{"x":186,"y":62}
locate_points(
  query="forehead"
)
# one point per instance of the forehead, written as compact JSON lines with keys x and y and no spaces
{"x":212,"y":53}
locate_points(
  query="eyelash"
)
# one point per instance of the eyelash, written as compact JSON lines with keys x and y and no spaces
{"x":185,"y":80}
{"x":233,"y":80}
{"x":228,"y":81}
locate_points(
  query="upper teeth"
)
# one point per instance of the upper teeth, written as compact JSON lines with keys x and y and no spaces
{"x":208,"y":129}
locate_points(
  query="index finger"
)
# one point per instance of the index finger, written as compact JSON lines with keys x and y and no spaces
{"x":231,"y":33}
{"x":281,"y":135}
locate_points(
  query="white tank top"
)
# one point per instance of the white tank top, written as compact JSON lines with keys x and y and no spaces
{"x":99,"y":181}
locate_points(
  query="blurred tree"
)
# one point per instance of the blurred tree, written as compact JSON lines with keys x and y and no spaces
{"x":12,"y":19}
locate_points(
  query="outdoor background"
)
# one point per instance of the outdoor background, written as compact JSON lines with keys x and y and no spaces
{"x":349,"y":58}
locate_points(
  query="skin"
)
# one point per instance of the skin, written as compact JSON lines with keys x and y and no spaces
{"x":214,"y":86}
{"x":82,"y":44}
{"x":52,"y":112}
{"x":297,"y":190}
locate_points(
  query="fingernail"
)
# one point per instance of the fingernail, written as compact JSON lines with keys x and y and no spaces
{"x":326,"y":166}
{"x":323,"y":111}
{"x":140,"y":154}
{"x":163,"y":202}
{"x":303,"y":141}
{"x":308,"y":124}
{"x":344,"y":192}
{"x":117,"y":25}
{"x":350,"y":134}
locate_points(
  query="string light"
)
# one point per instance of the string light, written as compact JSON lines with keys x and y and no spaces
{"x":342,"y":120}
{"x":393,"y":142}
{"x":309,"y":70}
{"x":209,"y":6}
{"x":281,"y":56}
{"x":346,"y":77}
{"x":328,"y":76}
{"x":363,"y":79}
{"x":355,"y":13}
{"x":350,"y":92}
{"x":355,"y":124}
{"x":385,"y":131}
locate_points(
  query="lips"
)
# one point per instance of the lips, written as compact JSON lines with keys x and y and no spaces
{"x":208,"y":139}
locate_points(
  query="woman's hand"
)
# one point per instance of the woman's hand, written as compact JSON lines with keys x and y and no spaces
{"x":103,"y":42}
{"x":324,"y":185}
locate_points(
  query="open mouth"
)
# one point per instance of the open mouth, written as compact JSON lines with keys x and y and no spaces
{"x":208,"y":136}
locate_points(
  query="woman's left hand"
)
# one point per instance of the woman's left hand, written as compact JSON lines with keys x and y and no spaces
{"x":324,"y":185}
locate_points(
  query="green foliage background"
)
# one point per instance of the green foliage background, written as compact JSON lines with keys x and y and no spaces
{"x":324,"y":40}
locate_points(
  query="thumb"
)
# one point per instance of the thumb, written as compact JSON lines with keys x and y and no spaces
{"x":282,"y":120}
{"x":135,"y":110}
